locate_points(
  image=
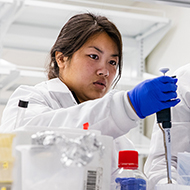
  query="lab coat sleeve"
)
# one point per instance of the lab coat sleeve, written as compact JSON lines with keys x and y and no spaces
{"x":112,"y":114}
{"x":155,"y":166}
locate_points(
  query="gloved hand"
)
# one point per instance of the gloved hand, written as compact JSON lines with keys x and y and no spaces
{"x":153,"y":95}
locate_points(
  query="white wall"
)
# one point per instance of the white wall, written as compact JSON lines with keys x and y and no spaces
{"x":174,"y":49}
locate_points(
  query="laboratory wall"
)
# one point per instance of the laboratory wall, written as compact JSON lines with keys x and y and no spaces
{"x":173,"y":49}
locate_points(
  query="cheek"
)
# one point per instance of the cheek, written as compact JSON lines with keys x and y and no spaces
{"x":89,"y":69}
{"x":86,"y":72}
{"x":113,"y":74}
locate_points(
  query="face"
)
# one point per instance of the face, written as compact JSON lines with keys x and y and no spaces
{"x":91,"y":70}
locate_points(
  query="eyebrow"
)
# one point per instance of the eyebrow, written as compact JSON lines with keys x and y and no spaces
{"x":113,"y":55}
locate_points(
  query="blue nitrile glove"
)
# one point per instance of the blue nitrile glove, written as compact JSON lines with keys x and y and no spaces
{"x":153,"y":95}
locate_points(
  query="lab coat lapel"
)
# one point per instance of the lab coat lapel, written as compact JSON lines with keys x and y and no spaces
{"x":61,"y":93}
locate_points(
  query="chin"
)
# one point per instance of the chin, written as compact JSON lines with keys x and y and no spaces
{"x":96,"y":95}
{"x":99,"y":96}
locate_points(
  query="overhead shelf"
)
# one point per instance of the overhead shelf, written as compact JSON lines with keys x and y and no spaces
{"x":36,"y":24}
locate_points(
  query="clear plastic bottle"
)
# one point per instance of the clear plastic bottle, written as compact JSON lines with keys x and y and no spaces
{"x":128,"y":176}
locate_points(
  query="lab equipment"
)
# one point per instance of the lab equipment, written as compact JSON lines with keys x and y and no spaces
{"x":164,"y":117}
{"x":128,"y":176}
{"x":45,"y":156}
{"x":22,"y":105}
{"x":152,"y":95}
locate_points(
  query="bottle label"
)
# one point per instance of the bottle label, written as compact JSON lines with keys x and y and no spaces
{"x":93,"y":179}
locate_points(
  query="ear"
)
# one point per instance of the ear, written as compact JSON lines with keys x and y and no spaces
{"x":60,"y":59}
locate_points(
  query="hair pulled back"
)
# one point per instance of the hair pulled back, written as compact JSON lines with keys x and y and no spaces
{"x":76,"y":32}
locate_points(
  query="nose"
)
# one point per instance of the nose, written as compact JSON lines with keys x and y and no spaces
{"x":103,"y":72}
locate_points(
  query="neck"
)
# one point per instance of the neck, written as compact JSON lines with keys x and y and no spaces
{"x":77,"y":100}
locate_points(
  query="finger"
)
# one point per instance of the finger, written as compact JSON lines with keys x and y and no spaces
{"x":164,"y":97}
{"x":167,"y":79}
{"x":172,"y":103}
{"x":168,"y":87}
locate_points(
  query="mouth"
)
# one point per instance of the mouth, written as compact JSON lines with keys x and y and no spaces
{"x":100,"y":83}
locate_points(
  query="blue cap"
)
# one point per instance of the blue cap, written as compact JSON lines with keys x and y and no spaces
{"x":141,"y":184}
{"x":127,"y":183}
{"x":131,"y":183}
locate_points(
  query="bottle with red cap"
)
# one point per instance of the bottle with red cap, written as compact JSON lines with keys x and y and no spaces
{"x":128,"y":176}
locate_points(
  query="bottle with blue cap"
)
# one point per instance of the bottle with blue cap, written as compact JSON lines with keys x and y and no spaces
{"x":128,"y":176}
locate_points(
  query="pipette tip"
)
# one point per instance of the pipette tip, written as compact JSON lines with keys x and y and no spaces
{"x":164,"y":70}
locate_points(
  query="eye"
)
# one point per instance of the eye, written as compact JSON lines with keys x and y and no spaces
{"x":93,"y":56}
{"x":112,"y":62}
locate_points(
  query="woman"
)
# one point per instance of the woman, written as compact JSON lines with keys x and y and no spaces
{"x":86,"y":60}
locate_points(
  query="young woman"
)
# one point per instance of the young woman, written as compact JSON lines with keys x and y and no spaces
{"x":86,"y":61}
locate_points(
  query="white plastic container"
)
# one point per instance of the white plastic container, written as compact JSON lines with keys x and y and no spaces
{"x":128,"y":176}
{"x":40,"y":168}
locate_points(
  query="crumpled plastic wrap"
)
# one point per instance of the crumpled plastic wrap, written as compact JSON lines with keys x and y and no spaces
{"x":74,"y":152}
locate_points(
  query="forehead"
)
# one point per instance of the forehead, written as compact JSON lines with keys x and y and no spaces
{"x":102,"y":40}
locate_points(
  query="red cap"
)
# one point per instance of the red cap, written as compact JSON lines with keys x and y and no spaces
{"x":128,"y":159}
{"x":85,"y":126}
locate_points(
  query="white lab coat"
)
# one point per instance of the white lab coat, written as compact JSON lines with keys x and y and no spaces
{"x":155,"y":166}
{"x":52,"y":104}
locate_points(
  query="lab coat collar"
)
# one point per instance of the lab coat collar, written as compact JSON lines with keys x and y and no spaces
{"x":56,"y":85}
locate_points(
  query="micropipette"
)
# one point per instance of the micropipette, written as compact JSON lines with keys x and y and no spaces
{"x":164,"y":117}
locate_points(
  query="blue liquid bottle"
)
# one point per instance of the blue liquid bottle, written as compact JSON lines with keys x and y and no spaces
{"x":128,"y":176}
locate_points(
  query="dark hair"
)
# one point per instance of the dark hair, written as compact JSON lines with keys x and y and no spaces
{"x":76,"y":32}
